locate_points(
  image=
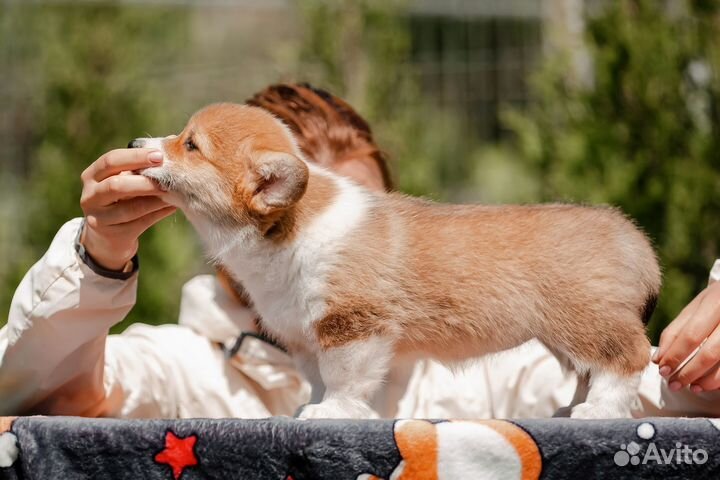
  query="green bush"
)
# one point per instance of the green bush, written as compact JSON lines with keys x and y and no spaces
{"x":643,"y":136}
{"x":77,"y":74}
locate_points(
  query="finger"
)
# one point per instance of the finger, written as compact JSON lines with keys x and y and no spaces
{"x":696,"y":329}
{"x":122,"y":187}
{"x":671,"y":331}
{"x":700,"y":364}
{"x":708,"y":382}
{"x":125,"y":211}
{"x":122,"y":159}
{"x":139,"y":226}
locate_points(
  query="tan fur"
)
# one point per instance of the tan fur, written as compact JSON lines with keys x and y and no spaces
{"x":459,"y":281}
{"x":448,"y":281}
{"x":319,"y":194}
{"x":236,"y":140}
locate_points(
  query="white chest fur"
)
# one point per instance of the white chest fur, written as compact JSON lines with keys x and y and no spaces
{"x":287,"y":283}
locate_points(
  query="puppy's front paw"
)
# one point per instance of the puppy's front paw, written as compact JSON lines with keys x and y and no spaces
{"x":590,"y":411}
{"x":336,"y":408}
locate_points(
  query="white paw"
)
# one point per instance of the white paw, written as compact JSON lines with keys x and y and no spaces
{"x":336,"y":408}
{"x":8,"y":449}
{"x":591,"y":411}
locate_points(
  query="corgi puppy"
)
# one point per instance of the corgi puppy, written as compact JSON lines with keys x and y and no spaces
{"x":346,"y":278}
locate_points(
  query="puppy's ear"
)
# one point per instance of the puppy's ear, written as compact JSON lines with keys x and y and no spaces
{"x":280,"y":180}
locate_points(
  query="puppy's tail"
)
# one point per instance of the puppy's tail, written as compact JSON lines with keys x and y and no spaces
{"x":643,"y":259}
{"x":648,"y":308}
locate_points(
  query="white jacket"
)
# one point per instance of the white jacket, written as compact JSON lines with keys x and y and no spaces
{"x":56,"y":357}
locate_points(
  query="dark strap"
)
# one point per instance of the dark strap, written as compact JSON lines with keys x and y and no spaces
{"x":232,"y":351}
{"x":93,"y":265}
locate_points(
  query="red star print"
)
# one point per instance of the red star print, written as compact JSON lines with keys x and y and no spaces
{"x":178,"y":453}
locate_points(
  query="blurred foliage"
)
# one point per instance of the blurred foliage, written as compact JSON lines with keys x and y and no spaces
{"x":361,"y":50}
{"x":89,"y":93}
{"x":77,"y":71}
{"x":643,"y":135}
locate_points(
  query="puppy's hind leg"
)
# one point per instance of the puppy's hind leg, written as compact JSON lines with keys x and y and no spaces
{"x":611,"y":395}
{"x":615,"y":373}
{"x":352,"y":373}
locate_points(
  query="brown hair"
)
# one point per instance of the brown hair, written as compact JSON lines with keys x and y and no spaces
{"x":328,"y":131}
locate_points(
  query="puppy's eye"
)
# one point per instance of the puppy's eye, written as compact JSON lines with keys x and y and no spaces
{"x":190,"y":145}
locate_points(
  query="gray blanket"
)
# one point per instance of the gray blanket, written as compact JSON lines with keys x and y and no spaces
{"x":283,"y":448}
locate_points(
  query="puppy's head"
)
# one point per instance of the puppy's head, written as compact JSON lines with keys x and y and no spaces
{"x":232,"y":165}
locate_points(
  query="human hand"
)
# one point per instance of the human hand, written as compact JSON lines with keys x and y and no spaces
{"x":694,"y":333}
{"x":120,"y":206}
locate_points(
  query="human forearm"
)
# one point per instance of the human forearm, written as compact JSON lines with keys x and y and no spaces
{"x":52,"y":348}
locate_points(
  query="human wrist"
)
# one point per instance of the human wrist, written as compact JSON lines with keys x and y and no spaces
{"x":105,"y":254}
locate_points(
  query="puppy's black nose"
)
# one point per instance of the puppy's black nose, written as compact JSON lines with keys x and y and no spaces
{"x":137,"y":143}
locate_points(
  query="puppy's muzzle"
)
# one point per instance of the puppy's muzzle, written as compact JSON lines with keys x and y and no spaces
{"x":137,"y":143}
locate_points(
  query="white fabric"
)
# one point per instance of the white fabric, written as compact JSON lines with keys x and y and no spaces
{"x":56,"y":358}
{"x":715,"y":272}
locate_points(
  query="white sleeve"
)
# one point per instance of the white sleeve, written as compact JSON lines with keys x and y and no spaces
{"x":527,"y":382}
{"x":56,"y":356}
{"x":52,"y":348}
{"x":165,"y":371}
{"x":523,"y":382}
